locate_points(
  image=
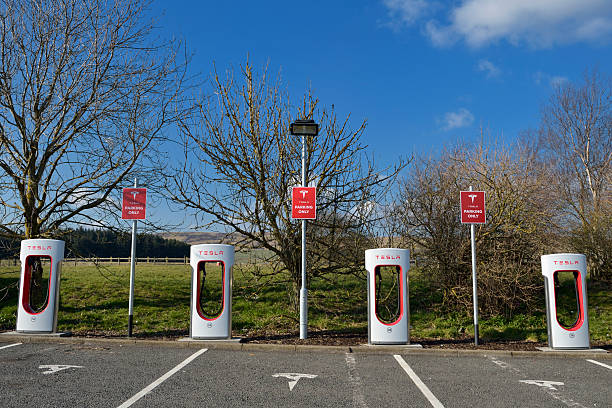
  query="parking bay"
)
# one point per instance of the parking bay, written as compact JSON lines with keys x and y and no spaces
{"x":109,"y":375}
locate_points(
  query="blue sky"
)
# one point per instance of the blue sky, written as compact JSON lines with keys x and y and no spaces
{"x":423,"y":73}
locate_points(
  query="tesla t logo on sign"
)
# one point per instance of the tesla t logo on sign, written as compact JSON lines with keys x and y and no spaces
{"x":304,"y":203}
{"x":473,"y":207}
{"x":134,"y":204}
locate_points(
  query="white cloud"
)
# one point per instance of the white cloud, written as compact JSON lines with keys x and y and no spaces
{"x":541,"y":23}
{"x":556,"y":81}
{"x":487,"y":66}
{"x":538,"y":23}
{"x":440,"y":36}
{"x":82,"y":196}
{"x":364,"y":210}
{"x":552,"y":80}
{"x":406,"y":12}
{"x":459,"y":119}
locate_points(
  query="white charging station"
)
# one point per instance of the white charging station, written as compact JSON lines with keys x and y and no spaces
{"x":564,"y":333}
{"x":211,"y":322}
{"x":387,"y":271}
{"x":39,"y":316}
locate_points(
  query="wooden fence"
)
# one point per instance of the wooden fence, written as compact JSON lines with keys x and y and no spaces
{"x":111,"y":260}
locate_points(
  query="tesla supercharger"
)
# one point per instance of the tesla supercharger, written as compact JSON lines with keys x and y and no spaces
{"x":566,"y":300}
{"x":211,"y":291}
{"x":39,"y":315}
{"x":388,"y":311}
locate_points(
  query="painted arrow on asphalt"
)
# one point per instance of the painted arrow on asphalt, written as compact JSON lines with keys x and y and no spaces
{"x":54,"y":368}
{"x":294,"y":377}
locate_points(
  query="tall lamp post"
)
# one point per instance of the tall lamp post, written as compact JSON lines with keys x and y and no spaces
{"x":304,"y":128}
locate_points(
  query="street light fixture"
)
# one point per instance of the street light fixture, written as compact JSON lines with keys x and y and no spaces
{"x":304,"y":128}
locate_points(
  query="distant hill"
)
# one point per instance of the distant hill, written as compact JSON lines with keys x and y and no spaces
{"x":195,"y":237}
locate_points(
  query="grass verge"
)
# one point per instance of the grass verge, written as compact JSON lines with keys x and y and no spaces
{"x":94,"y":301}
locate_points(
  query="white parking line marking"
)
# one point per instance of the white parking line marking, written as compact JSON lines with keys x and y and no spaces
{"x":161,"y":379}
{"x":417,"y":381}
{"x":356,"y":383}
{"x":601,"y":364}
{"x":10,"y":345}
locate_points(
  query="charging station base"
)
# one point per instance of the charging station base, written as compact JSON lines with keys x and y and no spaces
{"x":408,"y":346}
{"x":232,"y":340}
{"x":589,"y":350}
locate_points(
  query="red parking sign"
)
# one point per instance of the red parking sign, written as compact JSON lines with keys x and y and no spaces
{"x":304,"y":203}
{"x":473,"y":207}
{"x":134,"y":204}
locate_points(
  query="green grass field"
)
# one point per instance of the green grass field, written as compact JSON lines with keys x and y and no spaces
{"x":95,"y":301}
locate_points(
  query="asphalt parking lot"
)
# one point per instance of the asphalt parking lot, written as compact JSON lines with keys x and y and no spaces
{"x":114,"y":374}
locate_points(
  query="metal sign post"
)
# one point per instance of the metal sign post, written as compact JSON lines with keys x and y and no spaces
{"x":304,"y":128}
{"x":303,"y":290}
{"x":133,"y":208}
{"x":474,"y":284}
{"x":473,"y":212}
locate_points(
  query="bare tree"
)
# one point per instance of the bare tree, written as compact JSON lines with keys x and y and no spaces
{"x":509,"y":244}
{"x":241,"y":162}
{"x":427,"y":213}
{"x":576,"y":134}
{"x":86,"y":91}
{"x":521,"y":223}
